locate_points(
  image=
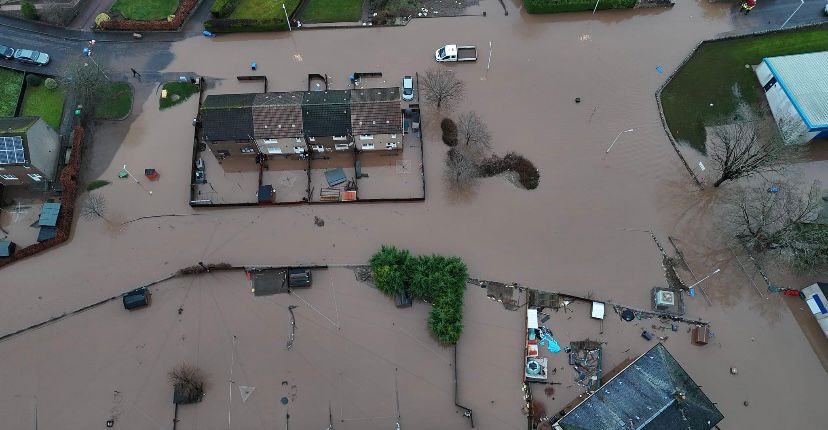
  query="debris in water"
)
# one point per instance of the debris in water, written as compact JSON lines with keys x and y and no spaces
{"x":733,"y":371}
{"x":318,"y":221}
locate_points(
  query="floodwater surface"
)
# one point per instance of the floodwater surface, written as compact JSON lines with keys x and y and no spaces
{"x":572,"y":234}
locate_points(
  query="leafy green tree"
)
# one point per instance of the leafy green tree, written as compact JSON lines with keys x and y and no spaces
{"x":389,"y":268}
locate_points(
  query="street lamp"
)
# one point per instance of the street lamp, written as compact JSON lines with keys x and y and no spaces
{"x":616,"y":138}
{"x":286,"y":17}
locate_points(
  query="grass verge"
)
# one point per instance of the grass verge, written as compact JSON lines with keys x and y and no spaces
{"x":116,"y":103}
{"x":263,"y":9}
{"x":701,"y":92}
{"x":332,"y":11}
{"x":97,"y":183}
{"x":175,"y":88}
{"x":45,"y":103}
{"x":145,"y":10}
{"x":11,"y":82}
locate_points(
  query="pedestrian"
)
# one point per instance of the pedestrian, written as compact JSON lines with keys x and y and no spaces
{"x":135,"y":74}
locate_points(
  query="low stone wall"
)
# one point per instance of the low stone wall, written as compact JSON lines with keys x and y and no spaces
{"x":69,"y":184}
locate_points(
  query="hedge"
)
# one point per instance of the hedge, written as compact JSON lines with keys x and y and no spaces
{"x":555,"y":6}
{"x":449,"y":132}
{"x":223,"y":8}
{"x":435,"y":279}
{"x":69,"y":182}
{"x":180,"y":16}
{"x":244,"y":25}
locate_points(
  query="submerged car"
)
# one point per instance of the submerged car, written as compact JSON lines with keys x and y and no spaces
{"x":6,"y":52}
{"x":408,"y":88}
{"x":31,"y":57}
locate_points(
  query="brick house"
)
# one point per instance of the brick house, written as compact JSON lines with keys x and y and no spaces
{"x":292,"y":124}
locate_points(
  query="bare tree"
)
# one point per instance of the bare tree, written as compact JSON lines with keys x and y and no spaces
{"x":188,"y":381}
{"x":770,"y":216}
{"x":94,"y":207}
{"x":473,"y":134}
{"x":442,"y":88}
{"x":461,"y":171}
{"x":739,"y":150}
{"x":87,"y":80}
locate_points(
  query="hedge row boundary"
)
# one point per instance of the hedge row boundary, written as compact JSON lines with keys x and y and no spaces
{"x":69,"y":182}
{"x":180,"y":16}
{"x":557,"y":6}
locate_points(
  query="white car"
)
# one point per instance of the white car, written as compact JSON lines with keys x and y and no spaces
{"x":408,"y":88}
{"x":31,"y":57}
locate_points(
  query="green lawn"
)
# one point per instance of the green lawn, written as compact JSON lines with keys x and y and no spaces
{"x":263,"y":9}
{"x":332,"y":11}
{"x":710,"y":75}
{"x":45,"y":103}
{"x":182,"y":89}
{"x":145,"y":10}
{"x":117,"y":102}
{"x":11,"y":82}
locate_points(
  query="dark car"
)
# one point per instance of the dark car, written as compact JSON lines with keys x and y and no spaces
{"x":6,"y":52}
{"x":31,"y":57}
{"x":299,"y":278}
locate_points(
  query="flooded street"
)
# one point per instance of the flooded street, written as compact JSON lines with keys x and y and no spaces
{"x":572,"y":234}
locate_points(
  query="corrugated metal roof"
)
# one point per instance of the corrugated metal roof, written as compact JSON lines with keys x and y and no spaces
{"x":654,"y":392}
{"x":804,"y":77}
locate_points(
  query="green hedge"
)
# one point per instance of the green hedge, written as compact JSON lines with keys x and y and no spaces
{"x":555,"y":6}
{"x":435,"y":279}
{"x":223,"y":8}
{"x":244,"y":25}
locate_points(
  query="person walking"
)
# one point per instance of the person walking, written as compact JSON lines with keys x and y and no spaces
{"x":135,"y":74}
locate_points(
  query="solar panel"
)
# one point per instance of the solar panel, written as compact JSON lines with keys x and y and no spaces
{"x":11,"y":150}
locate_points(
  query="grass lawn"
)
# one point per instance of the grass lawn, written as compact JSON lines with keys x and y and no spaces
{"x":182,"y":89}
{"x":145,"y":10}
{"x":263,"y":9}
{"x":45,"y":103}
{"x":332,"y":11}
{"x":709,"y":77}
{"x":11,"y":82}
{"x":116,"y":104}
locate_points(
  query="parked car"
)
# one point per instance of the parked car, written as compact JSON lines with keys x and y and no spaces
{"x":31,"y":57}
{"x":408,"y":88}
{"x":200,"y":178}
{"x":299,"y":277}
{"x":825,"y":10}
{"x":6,"y":52}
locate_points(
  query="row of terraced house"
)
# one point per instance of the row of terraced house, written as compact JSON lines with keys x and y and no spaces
{"x":301,"y":123}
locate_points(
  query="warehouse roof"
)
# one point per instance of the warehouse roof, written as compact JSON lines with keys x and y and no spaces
{"x":803,"y":78}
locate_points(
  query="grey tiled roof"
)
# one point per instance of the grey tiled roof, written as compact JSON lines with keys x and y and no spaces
{"x":227,"y":117}
{"x":277,"y":115}
{"x":327,"y":113}
{"x":376,"y":118}
{"x":375,"y":95}
{"x":653,"y":393}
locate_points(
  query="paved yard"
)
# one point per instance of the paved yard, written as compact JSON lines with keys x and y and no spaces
{"x":392,"y":175}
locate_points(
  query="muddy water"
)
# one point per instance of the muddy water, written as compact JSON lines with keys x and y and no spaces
{"x":567,"y":235}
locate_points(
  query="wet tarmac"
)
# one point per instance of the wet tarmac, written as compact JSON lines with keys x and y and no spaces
{"x":571,"y":234}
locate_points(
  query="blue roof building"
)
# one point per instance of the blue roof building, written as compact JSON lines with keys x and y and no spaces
{"x":652,"y":393}
{"x":796,"y":87}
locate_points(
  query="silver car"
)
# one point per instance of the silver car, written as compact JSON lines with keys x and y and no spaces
{"x":31,"y":57}
{"x":407,"y":88}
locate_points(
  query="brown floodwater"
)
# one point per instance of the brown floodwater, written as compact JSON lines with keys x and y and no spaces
{"x":571,"y":234}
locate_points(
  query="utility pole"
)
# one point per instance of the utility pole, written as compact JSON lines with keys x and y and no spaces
{"x":287,"y":18}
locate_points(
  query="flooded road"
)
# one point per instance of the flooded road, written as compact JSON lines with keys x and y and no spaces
{"x":568,"y":235}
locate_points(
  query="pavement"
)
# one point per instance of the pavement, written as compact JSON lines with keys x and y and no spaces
{"x":771,"y":14}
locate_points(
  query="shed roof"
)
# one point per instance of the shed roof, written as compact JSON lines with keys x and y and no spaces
{"x":6,"y":247}
{"x":654,"y":392}
{"x":49,"y":214}
{"x":803,"y":78}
